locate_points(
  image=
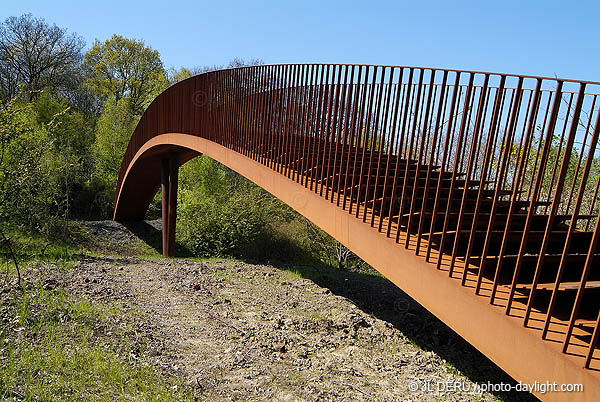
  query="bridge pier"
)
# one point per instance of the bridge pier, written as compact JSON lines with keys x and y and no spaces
{"x":169,"y":176}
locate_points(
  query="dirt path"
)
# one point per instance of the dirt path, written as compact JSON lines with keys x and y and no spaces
{"x":246,"y":332}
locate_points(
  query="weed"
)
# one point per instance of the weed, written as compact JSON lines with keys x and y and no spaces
{"x":52,"y":350}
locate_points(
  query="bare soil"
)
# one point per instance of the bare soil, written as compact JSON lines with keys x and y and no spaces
{"x":237,"y":331}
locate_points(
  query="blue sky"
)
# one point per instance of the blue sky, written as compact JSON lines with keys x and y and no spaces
{"x":523,"y":37}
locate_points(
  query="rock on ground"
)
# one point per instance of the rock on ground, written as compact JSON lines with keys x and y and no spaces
{"x":237,"y":331}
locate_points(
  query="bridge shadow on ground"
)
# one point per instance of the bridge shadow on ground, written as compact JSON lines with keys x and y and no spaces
{"x":150,"y":232}
{"x":377,"y":296}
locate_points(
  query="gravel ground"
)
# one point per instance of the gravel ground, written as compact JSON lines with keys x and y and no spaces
{"x":248,"y":332}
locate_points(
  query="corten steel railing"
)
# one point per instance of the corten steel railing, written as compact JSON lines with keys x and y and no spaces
{"x":492,"y":178}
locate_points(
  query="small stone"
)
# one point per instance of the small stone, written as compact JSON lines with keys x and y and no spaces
{"x":279,"y":347}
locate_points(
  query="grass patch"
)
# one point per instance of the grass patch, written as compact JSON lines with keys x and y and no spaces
{"x":311,"y":315}
{"x":451,"y":369}
{"x":78,"y":239}
{"x":32,"y":246}
{"x":57,"y":346}
{"x":294,"y":274}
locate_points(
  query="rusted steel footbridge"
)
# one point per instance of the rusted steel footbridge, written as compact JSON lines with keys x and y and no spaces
{"x":476,"y":193}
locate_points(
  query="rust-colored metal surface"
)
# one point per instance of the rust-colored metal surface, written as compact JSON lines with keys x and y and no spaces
{"x":476,"y":193}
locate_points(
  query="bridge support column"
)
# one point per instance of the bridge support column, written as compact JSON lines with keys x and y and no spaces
{"x":164,"y":189}
{"x":169,"y":177}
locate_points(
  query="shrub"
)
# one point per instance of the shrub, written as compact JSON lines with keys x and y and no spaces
{"x":222,"y":215}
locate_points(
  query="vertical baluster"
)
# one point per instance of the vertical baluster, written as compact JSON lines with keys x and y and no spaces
{"x":346,"y":142}
{"x":424,"y":142}
{"x":434,"y":142}
{"x":443,"y":164}
{"x":364,"y":137}
{"x":554,"y":208}
{"x":355,"y":133}
{"x":533,"y":202}
{"x":457,"y":161}
{"x":400,"y":151}
{"x":470,"y":165}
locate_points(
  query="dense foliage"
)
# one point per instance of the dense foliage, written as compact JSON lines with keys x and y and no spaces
{"x":223,"y":214}
{"x":65,"y":120}
{"x":215,"y":218}
{"x":125,"y":69}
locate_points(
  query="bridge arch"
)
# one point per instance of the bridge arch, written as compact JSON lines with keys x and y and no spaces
{"x":374,"y":154}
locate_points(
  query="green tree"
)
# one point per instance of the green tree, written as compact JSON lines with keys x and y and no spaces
{"x":175,"y":76}
{"x":123,"y":68}
{"x":70,"y":154}
{"x":73,"y":132}
{"x":25,"y":171}
{"x":38,"y":56}
{"x":221,"y":214}
{"x":113,"y":130}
